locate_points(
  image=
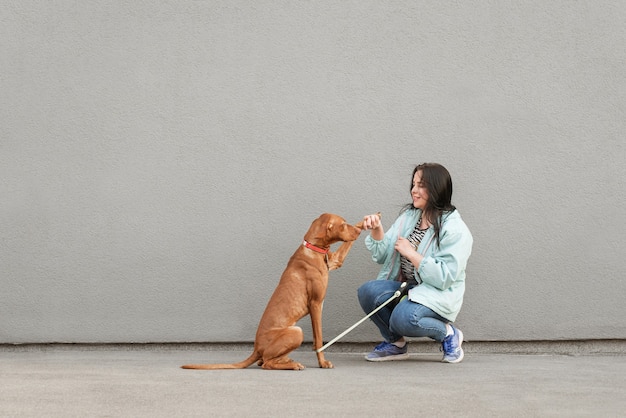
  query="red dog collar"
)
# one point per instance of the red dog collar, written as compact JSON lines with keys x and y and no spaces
{"x":314,"y":248}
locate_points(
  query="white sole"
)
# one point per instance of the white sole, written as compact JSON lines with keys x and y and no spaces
{"x":389,"y":358}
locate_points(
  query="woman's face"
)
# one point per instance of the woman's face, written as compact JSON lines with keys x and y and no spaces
{"x":419,"y":192}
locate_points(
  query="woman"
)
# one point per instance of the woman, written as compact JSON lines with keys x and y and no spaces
{"x":427,"y":246}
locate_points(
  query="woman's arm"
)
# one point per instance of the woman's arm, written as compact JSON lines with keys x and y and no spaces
{"x":447,"y":264}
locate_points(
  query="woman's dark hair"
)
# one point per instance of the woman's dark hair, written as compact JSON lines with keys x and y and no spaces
{"x":438,"y":182}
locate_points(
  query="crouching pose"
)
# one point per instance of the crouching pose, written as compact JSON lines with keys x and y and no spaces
{"x":427,"y":246}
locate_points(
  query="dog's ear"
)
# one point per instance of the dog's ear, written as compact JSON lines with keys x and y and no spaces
{"x":334,"y":222}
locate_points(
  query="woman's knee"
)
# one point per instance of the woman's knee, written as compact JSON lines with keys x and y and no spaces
{"x":366,"y":294}
{"x":370,"y":293}
{"x":366,"y":288}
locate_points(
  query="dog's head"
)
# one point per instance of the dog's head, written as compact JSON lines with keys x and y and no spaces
{"x":330,"y":228}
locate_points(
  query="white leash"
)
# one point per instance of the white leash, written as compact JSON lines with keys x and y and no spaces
{"x":334,"y":340}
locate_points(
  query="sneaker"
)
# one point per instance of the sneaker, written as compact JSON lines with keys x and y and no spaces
{"x":451,"y":347}
{"x":386,"y":352}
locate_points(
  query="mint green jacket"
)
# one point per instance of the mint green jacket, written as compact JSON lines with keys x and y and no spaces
{"x":442,"y":271}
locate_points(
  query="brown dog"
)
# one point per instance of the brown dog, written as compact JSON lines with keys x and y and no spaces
{"x":301,"y":291}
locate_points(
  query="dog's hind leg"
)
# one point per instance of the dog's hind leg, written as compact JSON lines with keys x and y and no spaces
{"x":281,"y":343}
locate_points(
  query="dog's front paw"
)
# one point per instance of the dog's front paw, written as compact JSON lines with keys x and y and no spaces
{"x":326,"y":364}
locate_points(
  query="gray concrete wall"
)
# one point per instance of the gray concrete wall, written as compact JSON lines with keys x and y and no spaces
{"x":161,"y":161}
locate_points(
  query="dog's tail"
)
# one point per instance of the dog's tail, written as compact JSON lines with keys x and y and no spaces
{"x":241,"y":365}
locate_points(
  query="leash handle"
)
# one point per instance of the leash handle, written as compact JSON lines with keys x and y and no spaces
{"x":334,"y":340}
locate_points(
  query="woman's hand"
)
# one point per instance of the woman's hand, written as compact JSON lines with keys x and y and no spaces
{"x":373,"y":223}
{"x":407,"y":250}
{"x":404,"y":247}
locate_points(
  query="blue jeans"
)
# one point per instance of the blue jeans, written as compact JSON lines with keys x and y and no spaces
{"x":406,"y":319}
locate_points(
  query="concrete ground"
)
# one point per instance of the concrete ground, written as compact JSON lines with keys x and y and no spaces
{"x":76,"y":381}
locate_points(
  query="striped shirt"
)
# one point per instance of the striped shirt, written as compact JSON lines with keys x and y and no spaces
{"x":414,"y":238}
